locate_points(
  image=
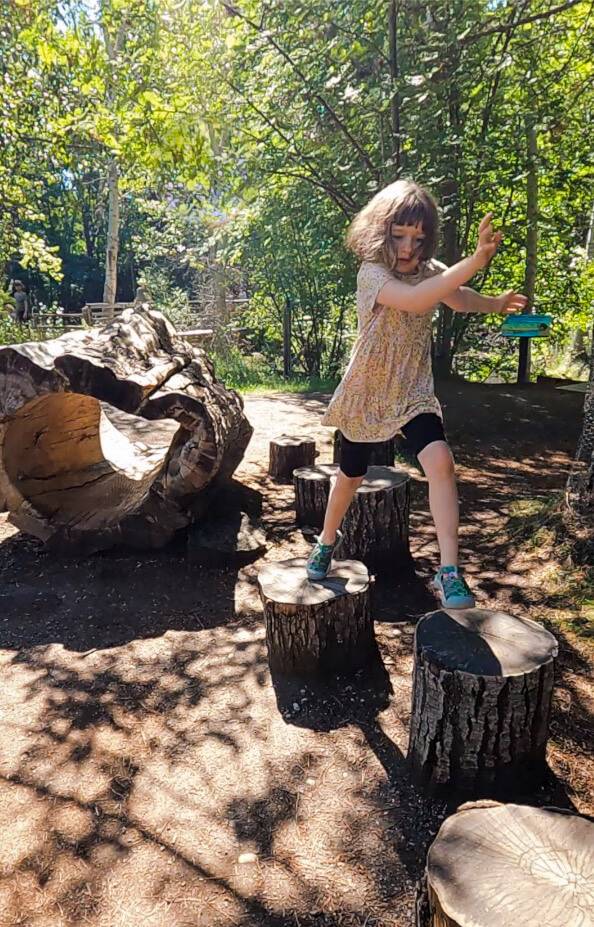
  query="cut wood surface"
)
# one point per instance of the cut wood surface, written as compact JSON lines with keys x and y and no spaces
{"x":286,"y":453}
{"x":314,"y":628}
{"x":512,"y":866}
{"x":482,"y":690}
{"x":109,"y":436}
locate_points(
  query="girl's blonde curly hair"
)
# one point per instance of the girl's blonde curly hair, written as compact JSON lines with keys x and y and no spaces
{"x":404,"y":202}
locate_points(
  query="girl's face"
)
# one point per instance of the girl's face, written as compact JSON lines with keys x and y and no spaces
{"x":408,"y":241}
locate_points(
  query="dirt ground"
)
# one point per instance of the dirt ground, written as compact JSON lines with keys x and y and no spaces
{"x":150,"y":772}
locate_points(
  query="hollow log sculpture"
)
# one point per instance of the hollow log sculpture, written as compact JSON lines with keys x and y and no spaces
{"x":110,"y":436}
{"x":494,"y":865}
{"x":482,"y":690}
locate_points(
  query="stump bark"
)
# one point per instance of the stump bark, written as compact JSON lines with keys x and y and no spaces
{"x":495,"y":865}
{"x":376,"y":525}
{"x":287,"y":453}
{"x":317,"y":628}
{"x":312,"y":487}
{"x":482,"y":690}
{"x":112,"y":435}
{"x":382,"y":453}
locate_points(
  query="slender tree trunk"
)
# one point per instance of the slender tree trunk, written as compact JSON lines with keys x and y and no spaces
{"x":395,"y":97}
{"x":113,"y":237}
{"x":531,"y":237}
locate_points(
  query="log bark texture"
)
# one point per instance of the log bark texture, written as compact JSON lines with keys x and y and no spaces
{"x":317,"y":628}
{"x":482,"y":690}
{"x":287,"y":453}
{"x":495,"y":865}
{"x":312,"y":487}
{"x":382,"y":454}
{"x":112,"y":435}
{"x":376,"y":526}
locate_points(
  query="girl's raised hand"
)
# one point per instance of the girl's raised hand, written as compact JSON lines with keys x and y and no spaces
{"x":510,"y":302}
{"x":488,"y":239}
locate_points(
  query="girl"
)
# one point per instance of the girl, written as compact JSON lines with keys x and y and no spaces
{"x":388,"y":385}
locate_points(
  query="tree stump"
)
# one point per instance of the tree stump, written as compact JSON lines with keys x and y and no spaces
{"x":111,"y":435}
{"x":375,"y":527}
{"x":312,"y":487}
{"x":482,"y":690}
{"x":382,"y":454}
{"x":495,"y":865}
{"x":317,"y":628}
{"x":287,"y":453}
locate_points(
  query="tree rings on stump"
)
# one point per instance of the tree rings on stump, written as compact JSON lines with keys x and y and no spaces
{"x":497,"y":865}
{"x":482,"y":690}
{"x":287,"y":453}
{"x":382,"y":452}
{"x":312,"y":488}
{"x":317,"y":628}
{"x":375,"y":528}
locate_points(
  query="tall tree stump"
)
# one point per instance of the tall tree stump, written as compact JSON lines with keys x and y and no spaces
{"x":495,"y":865}
{"x":287,"y":453}
{"x":317,"y":628}
{"x":382,"y":453}
{"x":482,"y":690}
{"x":312,"y":488}
{"x":375,"y":527}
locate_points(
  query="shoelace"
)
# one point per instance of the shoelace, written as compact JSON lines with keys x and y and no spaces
{"x":454,"y":584}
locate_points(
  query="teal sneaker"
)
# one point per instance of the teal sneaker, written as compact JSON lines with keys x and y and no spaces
{"x":318,"y":562}
{"x":452,"y":588}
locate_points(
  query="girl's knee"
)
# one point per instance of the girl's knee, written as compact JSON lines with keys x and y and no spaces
{"x":437,"y":460}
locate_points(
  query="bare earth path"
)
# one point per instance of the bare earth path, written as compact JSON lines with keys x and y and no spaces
{"x":151,"y":775}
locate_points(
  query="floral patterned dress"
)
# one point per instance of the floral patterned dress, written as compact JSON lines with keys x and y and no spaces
{"x":389,"y":379}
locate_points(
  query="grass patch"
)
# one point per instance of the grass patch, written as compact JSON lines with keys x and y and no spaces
{"x":542,"y":527}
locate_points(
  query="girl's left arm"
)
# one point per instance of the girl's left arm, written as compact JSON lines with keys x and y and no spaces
{"x":465,"y":299}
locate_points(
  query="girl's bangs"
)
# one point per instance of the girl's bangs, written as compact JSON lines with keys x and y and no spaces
{"x":412,"y":212}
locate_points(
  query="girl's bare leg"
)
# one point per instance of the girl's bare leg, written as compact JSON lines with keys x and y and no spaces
{"x":341,"y":494}
{"x":438,"y":465}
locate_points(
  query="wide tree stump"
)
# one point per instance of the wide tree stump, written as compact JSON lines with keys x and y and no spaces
{"x":112,"y":435}
{"x":375,"y":527}
{"x":317,"y":628}
{"x":382,"y":454}
{"x":287,"y":453}
{"x":312,"y":487}
{"x":482,"y":690}
{"x":497,"y":865}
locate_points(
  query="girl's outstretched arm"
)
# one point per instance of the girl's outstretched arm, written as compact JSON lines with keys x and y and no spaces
{"x":420,"y":299}
{"x":465,"y":299}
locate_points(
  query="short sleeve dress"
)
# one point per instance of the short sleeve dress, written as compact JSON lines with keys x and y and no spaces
{"x":389,"y":379}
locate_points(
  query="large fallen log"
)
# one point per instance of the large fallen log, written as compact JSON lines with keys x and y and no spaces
{"x":111,"y":436}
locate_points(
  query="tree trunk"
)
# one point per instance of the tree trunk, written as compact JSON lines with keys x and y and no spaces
{"x":531,"y":238}
{"x":312,"y":488}
{"x":481,"y":700}
{"x":496,"y":865}
{"x":317,"y":628}
{"x":111,"y":436}
{"x":113,"y":237}
{"x":394,"y":95}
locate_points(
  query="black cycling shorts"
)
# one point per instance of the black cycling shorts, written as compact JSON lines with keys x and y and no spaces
{"x":422,"y":430}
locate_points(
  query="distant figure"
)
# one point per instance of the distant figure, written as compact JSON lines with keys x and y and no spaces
{"x":21,"y":311}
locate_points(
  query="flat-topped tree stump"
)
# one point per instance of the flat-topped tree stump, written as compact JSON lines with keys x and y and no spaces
{"x":312,"y":487}
{"x":482,"y":690}
{"x":497,"y":865}
{"x":382,"y":454}
{"x":111,"y":436}
{"x":317,"y":628}
{"x":376,"y":525}
{"x":287,"y":453}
